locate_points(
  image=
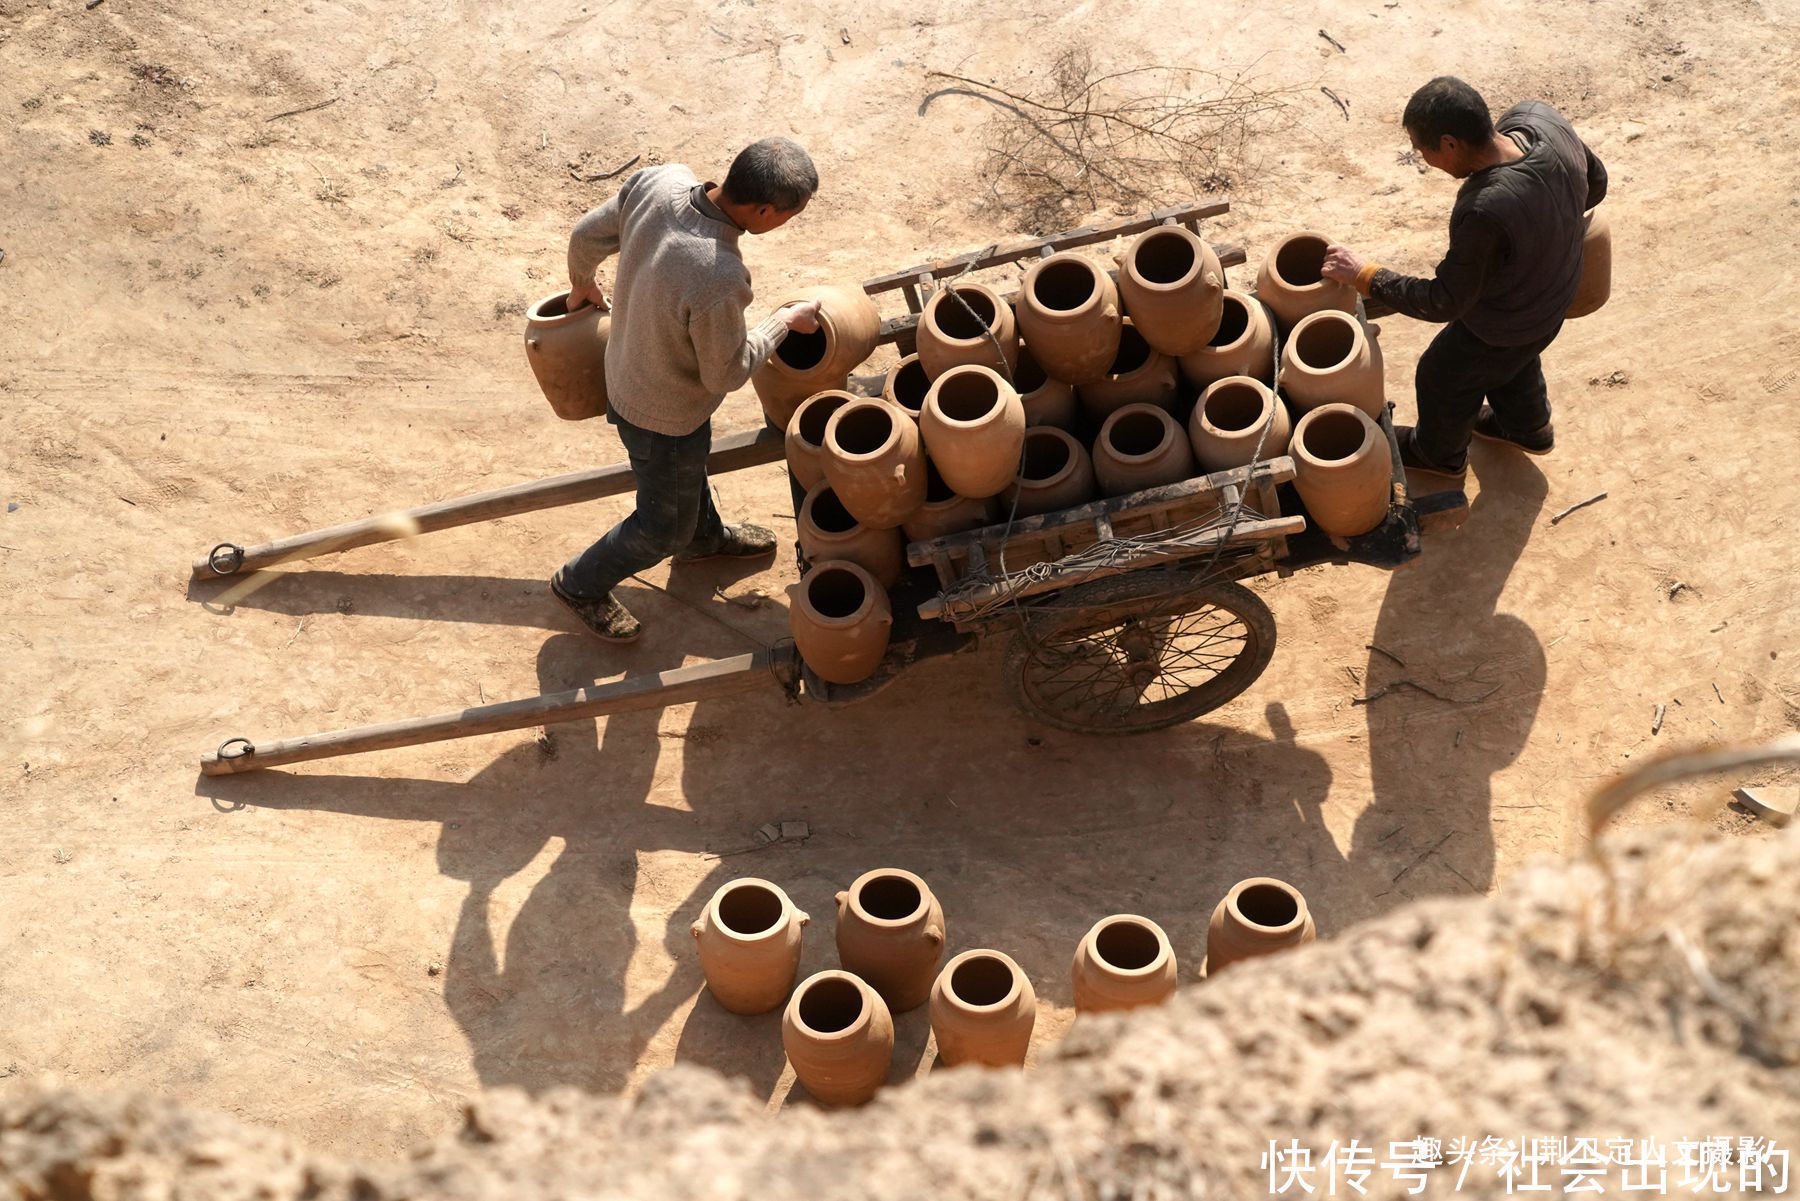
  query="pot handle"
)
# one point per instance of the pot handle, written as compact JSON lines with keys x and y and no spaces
{"x":695,"y":929}
{"x":934,"y":935}
{"x":843,"y":903}
{"x":801,"y":917}
{"x":1110,"y":312}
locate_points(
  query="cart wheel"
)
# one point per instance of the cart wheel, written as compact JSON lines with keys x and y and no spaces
{"x":1139,"y":652}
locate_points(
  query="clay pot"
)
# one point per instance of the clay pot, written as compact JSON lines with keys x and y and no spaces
{"x":749,"y":941}
{"x":1123,"y":962}
{"x":950,"y":335}
{"x":805,"y":364}
{"x":1244,"y":344}
{"x":1139,"y":447}
{"x":982,"y":1011}
{"x":840,"y":620}
{"x":567,"y":353}
{"x":1333,"y":358}
{"x":944,"y":512}
{"x":1229,"y":420}
{"x":1596,"y":266}
{"x":840,"y":1038}
{"x":1343,"y":469}
{"x":874,"y":462}
{"x":806,"y":435}
{"x":1047,"y":401}
{"x":828,"y":531}
{"x":890,"y":931}
{"x":1069,"y":315}
{"x":974,"y":427}
{"x":1172,"y":288}
{"x":1290,"y":281}
{"x":1259,"y":916}
{"x":1138,"y":375}
{"x":906,"y":386}
{"x":1054,"y":473}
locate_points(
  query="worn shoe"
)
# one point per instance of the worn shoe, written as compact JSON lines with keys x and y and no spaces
{"x":1487,"y":425}
{"x":744,"y":541}
{"x":605,"y":618}
{"x":1412,"y":460}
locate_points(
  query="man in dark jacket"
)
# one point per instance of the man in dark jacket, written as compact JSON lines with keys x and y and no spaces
{"x":1507,"y":280}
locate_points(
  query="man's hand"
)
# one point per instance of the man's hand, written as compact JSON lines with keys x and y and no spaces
{"x":802,"y":318}
{"x":582,"y":294}
{"x":1341,"y":264}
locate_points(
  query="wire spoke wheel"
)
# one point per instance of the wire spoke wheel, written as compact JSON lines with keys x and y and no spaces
{"x":1139,"y":652}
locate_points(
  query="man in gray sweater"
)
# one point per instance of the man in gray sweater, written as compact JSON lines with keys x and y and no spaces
{"x":678,"y":345}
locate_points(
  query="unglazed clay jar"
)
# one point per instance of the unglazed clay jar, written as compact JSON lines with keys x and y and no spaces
{"x":749,"y":941}
{"x":806,"y":435}
{"x":1069,"y":315}
{"x":1138,"y":374}
{"x":974,"y":427}
{"x":840,"y":1038}
{"x":1259,"y":916}
{"x":1047,"y":401}
{"x":1123,"y":962}
{"x":804,"y":364}
{"x":1172,"y":288}
{"x":840,"y":620}
{"x":567,"y":352}
{"x":874,"y":462}
{"x":1244,"y":344}
{"x":944,"y":512}
{"x":968,"y":323}
{"x":1333,"y":358}
{"x":983,"y":1010}
{"x":1343,"y":469}
{"x":1595,"y":287}
{"x":828,"y":531}
{"x":1291,"y":280}
{"x":1231,"y":417}
{"x":1054,"y":473}
{"x":906,"y":385}
{"x":890,"y":932}
{"x":1139,"y":447}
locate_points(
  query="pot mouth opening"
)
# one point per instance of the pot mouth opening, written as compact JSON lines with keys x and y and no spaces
{"x":1127,"y":946}
{"x":836,"y":592}
{"x":831,"y":1005}
{"x":816,"y":414}
{"x":1234,"y":322}
{"x":956,"y":322}
{"x":828,"y":513}
{"x":1028,"y":376}
{"x":864,"y":429}
{"x":937,"y":492}
{"x":1065,"y":286}
{"x":1135,"y":435}
{"x":911,"y":384}
{"x":1134,"y":352}
{"x":1165,"y":257}
{"x":1235,"y":406}
{"x":890,"y":898}
{"x":1301,"y":261}
{"x":552,"y":307}
{"x":1268,"y":906}
{"x":750,"y":909}
{"x":1328,"y":341}
{"x":803,"y":352}
{"x":983,"y":981}
{"x":966,"y":395}
{"x":1046,"y":456}
{"x":1332,"y":437}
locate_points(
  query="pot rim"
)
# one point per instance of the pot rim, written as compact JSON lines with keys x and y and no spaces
{"x":896,"y":431}
{"x":1076,"y":449}
{"x":981,"y":339}
{"x":887,"y":386}
{"x":1155,"y":359}
{"x":993,"y":413}
{"x":534,"y":317}
{"x":1094,"y":300}
{"x":805,"y":520}
{"x":1290,"y":353}
{"x":1169,"y":428}
{"x":1252,"y":308}
{"x":859,"y":614}
{"x":1164,"y":951}
{"x":781,"y":923}
{"x":842,"y":397}
{"x":1181,"y":232}
{"x":855,"y":1028}
{"x":1269,"y":402}
{"x":856,"y":889}
{"x":1012,"y":996}
{"x":1297,"y":444}
{"x":1243,"y":886}
{"x":827,"y":326}
{"x":1300,"y":289}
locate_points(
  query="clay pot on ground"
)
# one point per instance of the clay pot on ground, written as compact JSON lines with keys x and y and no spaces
{"x":874,"y":462}
{"x":567,"y":352}
{"x":1333,"y":358}
{"x":1054,"y":473}
{"x":974,"y":427}
{"x":840,"y":618}
{"x":828,"y":531}
{"x":805,"y":364}
{"x":1343,"y":469}
{"x":840,"y":1038}
{"x":749,"y":942}
{"x":1232,"y":417}
{"x":1123,"y":962}
{"x":1596,"y":266}
{"x":944,"y":512}
{"x":1047,"y":401}
{"x":1172,"y":288}
{"x":906,"y":386}
{"x":1291,"y":282}
{"x":1069,"y":315}
{"x":1139,"y":447}
{"x":1139,"y":374}
{"x":806,"y":435}
{"x":1244,"y":344}
{"x":1259,"y":916}
{"x":961,"y":325}
{"x":890,"y":932}
{"x":983,"y":1009}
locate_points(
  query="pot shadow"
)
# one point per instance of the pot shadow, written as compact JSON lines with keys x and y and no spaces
{"x":1429,"y":828}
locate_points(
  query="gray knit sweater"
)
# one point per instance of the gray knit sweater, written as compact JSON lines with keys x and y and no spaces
{"x":678,"y":342}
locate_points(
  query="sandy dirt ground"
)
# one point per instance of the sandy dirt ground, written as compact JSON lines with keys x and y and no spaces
{"x":222,"y":325}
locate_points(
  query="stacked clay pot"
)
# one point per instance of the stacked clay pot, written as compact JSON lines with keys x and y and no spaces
{"x":1292,"y":283}
{"x":1069,"y":315}
{"x":1244,"y":344}
{"x":567,"y":353}
{"x":804,"y":364}
{"x":839,"y":1036}
{"x":1343,"y":469}
{"x":1259,"y":916}
{"x":1054,"y":473}
{"x":906,"y":385}
{"x":968,"y":324}
{"x":890,"y":932}
{"x":1046,"y":401}
{"x":1232,"y":418}
{"x":749,"y":941}
{"x":1172,"y":288}
{"x":983,"y":1009}
{"x":1333,"y":358}
{"x":974,"y":427}
{"x":840,"y":618}
{"x":806,"y":435}
{"x":1141,"y":446}
{"x":1138,"y":374}
{"x":874,"y":462}
{"x":1123,"y":962}
{"x":827,"y":530}
{"x":1595,"y":287}
{"x":944,"y":512}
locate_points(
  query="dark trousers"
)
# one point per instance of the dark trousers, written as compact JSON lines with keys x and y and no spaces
{"x":1458,"y":371}
{"x":674,"y":512}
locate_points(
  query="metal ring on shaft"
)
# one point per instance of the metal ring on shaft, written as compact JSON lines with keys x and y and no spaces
{"x":234,"y":557}
{"x":249,"y":749}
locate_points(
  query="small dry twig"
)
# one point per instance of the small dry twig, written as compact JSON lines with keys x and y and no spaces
{"x":1426,"y":689}
{"x":1581,"y":504}
{"x":1335,"y":43}
{"x":623,"y":167}
{"x":1343,"y":104}
{"x":295,"y":112}
{"x":1384,"y":651}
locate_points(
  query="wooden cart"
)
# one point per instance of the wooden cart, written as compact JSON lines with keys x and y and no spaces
{"x":1121,"y":615}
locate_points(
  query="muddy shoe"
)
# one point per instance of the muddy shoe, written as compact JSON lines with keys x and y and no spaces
{"x":1412,"y":460}
{"x":743,"y":541}
{"x":1487,"y":425}
{"x":605,"y":617}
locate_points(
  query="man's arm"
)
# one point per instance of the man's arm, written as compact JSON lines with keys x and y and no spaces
{"x":727,"y":353}
{"x":1476,"y":245}
{"x":594,"y":240}
{"x":1596,"y":173}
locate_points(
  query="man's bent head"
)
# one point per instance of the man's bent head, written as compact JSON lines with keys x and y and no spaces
{"x":1449,"y":125}
{"x":769,"y":183}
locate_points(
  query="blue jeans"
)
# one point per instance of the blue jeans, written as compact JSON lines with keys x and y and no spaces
{"x":674,"y":512}
{"x":1459,"y":370}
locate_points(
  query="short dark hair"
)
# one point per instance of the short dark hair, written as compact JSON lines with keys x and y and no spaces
{"x":1447,"y":105}
{"x":774,"y":171}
